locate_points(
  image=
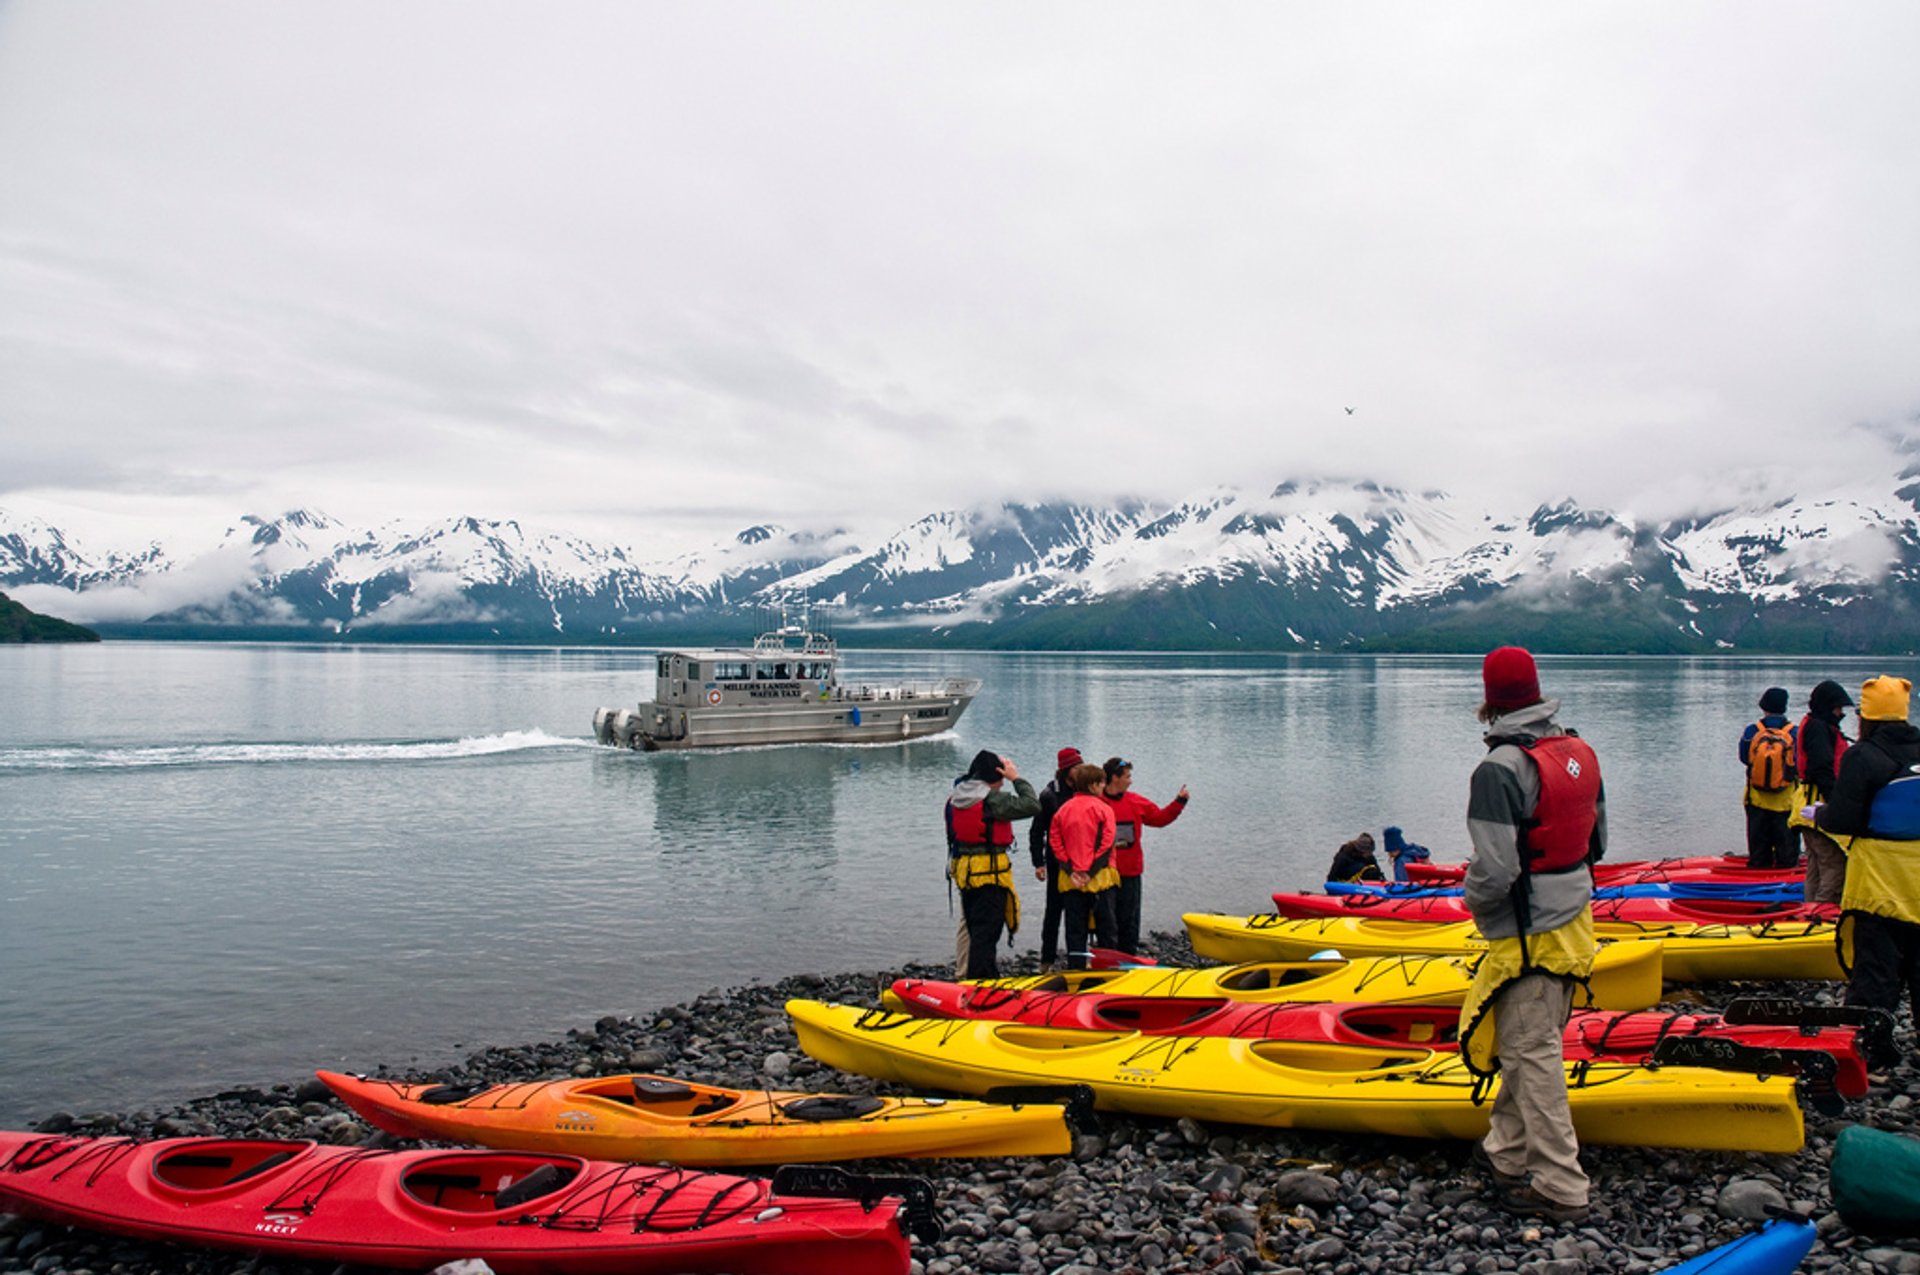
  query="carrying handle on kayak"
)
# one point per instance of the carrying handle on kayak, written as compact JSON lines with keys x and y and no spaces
{"x":1874,"y":1025}
{"x":917,"y":1210}
{"x":1815,"y":1069}
{"x":1077,"y":1099}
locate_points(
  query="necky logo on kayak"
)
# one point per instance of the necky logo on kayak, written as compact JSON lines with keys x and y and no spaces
{"x":574,"y":1122}
{"x":279,"y":1223}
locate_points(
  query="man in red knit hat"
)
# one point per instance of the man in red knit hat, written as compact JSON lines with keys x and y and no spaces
{"x":1040,"y":850}
{"x":1536,"y":815}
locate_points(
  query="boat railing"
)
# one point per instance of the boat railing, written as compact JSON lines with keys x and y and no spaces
{"x":939,"y":688}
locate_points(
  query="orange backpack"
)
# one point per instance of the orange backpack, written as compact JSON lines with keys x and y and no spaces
{"x":1769,"y":768}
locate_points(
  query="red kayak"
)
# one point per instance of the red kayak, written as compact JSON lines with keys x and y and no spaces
{"x":1590,"y":1034}
{"x":1703,"y":867}
{"x":522,"y":1214}
{"x":1447,"y":909}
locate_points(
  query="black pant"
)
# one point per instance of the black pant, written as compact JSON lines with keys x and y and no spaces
{"x":1050,"y":919}
{"x":1886,"y":961}
{"x":984,"y":908}
{"x":1126,"y":915}
{"x":1081,"y":907}
{"x":1770,"y":842}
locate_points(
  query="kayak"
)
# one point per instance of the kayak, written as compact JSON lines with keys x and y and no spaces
{"x":521,"y":1214}
{"x":1447,"y":909}
{"x":1706,"y":867}
{"x":1631,"y":1037}
{"x":1875,"y":1178}
{"x":654,"y":1118}
{"x":1690,"y":953}
{"x":1376,"y":1089}
{"x":1793,"y":891}
{"x":1626,"y":976}
{"x":1775,"y":1249}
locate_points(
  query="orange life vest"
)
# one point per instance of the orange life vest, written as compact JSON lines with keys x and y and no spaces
{"x":968,"y":829}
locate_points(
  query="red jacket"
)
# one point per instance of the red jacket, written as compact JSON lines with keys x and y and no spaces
{"x":1131,"y":812}
{"x":1081,"y":834}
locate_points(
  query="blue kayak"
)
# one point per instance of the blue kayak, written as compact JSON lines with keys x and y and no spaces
{"x":1775,"y":1249}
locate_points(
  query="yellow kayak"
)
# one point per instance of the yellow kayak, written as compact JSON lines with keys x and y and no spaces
{"x":1690,"y":953}
{"x":1626,"y":976}
{"x":651,"y":1118}
{"x":1407,"y":1092}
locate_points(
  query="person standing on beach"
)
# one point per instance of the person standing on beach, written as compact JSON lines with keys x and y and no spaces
{"x":1045,"y":868}
{"x":1766,"y":753}
{"x":1131,"y":813}
{"x":1819,"y":745}
{"x":1875,"y":806}
{"x":980,"y":818}
{"x":1536,"y":814}
{"x":1083,"y":844}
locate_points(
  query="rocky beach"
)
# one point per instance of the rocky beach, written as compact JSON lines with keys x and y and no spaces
{"x":1137,"y":1195}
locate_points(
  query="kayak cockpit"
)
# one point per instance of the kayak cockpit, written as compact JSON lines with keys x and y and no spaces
{"x":471,"y":1184}
{"x":197,"y":1168}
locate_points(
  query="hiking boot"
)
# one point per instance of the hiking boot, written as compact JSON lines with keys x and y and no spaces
{"x":1501,"y":1181}
{"x":1527,"y":1202}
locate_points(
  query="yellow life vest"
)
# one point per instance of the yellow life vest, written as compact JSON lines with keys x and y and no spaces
{"x":1803,"y":796}
{"x":1107,"y":878}
{"x":1883,"y":878}
{"x":1783,"y":799}
{"x":1565,"y":952}
{"x":987,"y":867}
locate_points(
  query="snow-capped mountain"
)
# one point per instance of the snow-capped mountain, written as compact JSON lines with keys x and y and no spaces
{"x":1309,"y":564}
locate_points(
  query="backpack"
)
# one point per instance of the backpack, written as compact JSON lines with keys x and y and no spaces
{"x":1768,"y":766}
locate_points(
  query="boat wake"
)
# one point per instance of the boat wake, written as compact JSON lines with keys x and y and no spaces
{"x":135,"y":758}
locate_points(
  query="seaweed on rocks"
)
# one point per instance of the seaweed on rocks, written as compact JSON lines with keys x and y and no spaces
{"x":1138,"y":1195}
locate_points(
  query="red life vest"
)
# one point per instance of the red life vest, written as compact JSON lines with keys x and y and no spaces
{"x":969,"y":829}
{"x":1801,"y":766}
{"x":1556,"y":839}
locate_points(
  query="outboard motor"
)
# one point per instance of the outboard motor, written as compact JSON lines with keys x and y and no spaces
{"x":603,"y":724}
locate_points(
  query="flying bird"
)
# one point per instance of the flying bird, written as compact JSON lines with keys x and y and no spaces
{"x":1349,"y":411}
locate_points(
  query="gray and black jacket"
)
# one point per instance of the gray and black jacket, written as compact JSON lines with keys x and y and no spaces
{"x":1504,"y":795}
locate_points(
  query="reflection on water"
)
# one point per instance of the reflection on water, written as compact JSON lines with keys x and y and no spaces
{"x":283,"y":858}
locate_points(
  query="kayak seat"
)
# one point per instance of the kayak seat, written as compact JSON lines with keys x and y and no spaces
{"x":273,"y":1161}
{"x":654,"y":1089}
{"x":441,"y":1095}
{"x":833,"y":1107}
{"x":545,"y":1179}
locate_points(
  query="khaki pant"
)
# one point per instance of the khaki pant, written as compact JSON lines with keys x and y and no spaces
{"x":1826,"y":866}
{"x":1532,"y":1127}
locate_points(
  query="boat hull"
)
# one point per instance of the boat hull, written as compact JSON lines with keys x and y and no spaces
{"x":1690,"y":953}
{"x":656,"y":1119}
{"x":416,"y":1210}
{"x":1288,"y":1084}
{"x":823,"y":722}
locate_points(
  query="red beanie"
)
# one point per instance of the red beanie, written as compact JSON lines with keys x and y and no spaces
{"x":1510,"y":678}
{"x":1069,"y":756}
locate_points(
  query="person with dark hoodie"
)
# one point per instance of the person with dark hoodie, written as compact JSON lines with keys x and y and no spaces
{"x":1355,"y":861}
{"x":1819,"y":745}
{"x":980,"y":817}
{"x":1083,"y":832}
{"x":1766,"y":754}
{"x":1040,"y":850}
{"x":1874,"y":810}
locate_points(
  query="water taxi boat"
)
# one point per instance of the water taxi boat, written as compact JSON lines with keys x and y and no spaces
{"x":784,"y":689}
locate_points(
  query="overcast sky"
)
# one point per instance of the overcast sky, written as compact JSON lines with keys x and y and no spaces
{"x":663,"y":269}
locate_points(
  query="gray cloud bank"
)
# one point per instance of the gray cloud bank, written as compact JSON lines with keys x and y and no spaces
{"x":668,"y":269}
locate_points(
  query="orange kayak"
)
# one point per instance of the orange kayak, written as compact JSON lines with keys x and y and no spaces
{"x":652,"y":1118}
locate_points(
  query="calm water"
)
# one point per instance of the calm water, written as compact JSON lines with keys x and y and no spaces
{"x":227,"y":865}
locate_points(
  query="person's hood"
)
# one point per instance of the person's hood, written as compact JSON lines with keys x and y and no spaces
{"x":969,"y":792}
{"x":1532,"y":721}
{"x":1826,"y":697}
